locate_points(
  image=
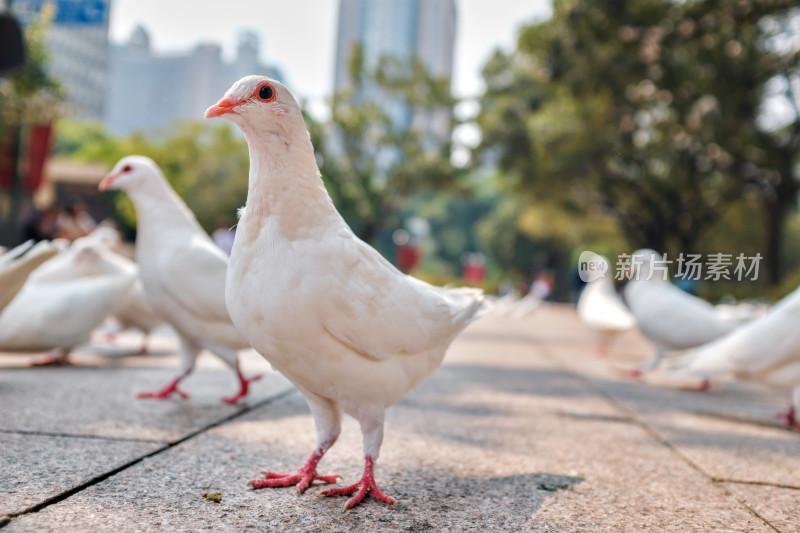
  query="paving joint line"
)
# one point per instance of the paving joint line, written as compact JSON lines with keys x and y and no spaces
{"x":7,"y":519}
{"x":78,"y":436}
{"x":654,"y":434}
{"x":755,"y":482}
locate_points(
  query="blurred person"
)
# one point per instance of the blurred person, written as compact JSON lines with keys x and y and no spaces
{"x":542,"y":286}
{"x":74,"y":221}
{"x":39,"y":225}
{"x":223,"y":236}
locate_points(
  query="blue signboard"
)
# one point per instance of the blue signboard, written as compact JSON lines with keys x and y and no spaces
{"x":67,"y":12}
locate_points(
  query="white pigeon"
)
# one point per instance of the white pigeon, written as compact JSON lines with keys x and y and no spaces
{"x":670,"y":318}
{"x":182,"y":270}
{"x":132,"y":310}
{"x":601,"y":309}
{"x":17,"y":264}
{"x":352,"y":332}
{"x":60,"y":314}
{"x":766,"y":350}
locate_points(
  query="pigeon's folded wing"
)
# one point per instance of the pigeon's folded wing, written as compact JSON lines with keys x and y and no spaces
{"x":379,"y":312}
{"x":194,"y":276}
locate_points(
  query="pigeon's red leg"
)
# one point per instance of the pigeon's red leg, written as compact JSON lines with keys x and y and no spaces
{"x":303,"y":478}
{"x":359,"y":490}
{"x":703,"y":386}
{"x":244,"y":386}
{"x":602,"y":348}
{"x":58,"y":357}
{"x":144,"y":348}
{"x":166,"y":392}
{"x":789,"y":418}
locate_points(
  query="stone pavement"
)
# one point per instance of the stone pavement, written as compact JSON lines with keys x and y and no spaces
{"x":522,"y":429}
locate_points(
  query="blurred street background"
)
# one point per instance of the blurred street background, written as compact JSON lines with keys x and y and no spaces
{"x":470,"y":142}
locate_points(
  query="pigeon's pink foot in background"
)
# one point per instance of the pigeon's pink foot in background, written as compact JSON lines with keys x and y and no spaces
{"x":789,"y":419}
{"x":601,"y":350}
{"x":359,"y":490}
{"x":56,"y":358}
{"x":244,"y":387}
{"x":143,"y":349}
{"x":630,"y":373}
{"x":303,"y":478}
{"x":703,"y":386}
{"x":166,"y":392}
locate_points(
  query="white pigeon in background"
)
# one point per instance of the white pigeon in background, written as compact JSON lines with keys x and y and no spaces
{"x":352,"y":332}
{"x":132,"y":310}
{"x":60,"y":314}
{"x":182,"y":270}
{"x":601,"y":309}
{"x":670,"y":318}
{"x":766,"y":350}
{"x":17,"y":264}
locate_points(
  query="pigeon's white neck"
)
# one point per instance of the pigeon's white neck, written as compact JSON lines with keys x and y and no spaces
{"x":285,"y":184}
{"x":160,"y":209}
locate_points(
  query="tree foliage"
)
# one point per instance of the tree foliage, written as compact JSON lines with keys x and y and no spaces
{"x":651,"y":111}
{"x":377,"y":148}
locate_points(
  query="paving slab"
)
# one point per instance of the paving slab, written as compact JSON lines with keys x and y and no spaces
{"x":34,"y":468}
{"x":502,"y":438}
{"x":100,"y":401}
{"x":778,"y":505}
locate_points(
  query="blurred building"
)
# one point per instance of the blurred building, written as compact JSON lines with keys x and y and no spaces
{"x":401,"y":29}
{"x":150,"y":92}
{"x":77,"y":45}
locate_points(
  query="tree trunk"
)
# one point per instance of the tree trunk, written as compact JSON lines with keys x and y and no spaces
{"x":775,"y":213}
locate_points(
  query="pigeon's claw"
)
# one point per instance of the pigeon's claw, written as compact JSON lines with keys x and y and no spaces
{"x":244,"y":387}
{"x":303,"y":479}
{"x":789,"y":419}
{"x":359,"y":490}
{"x":165,"y":393}
{"x":57,"y":358}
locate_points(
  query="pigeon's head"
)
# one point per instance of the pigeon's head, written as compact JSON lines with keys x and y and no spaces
{"x":255,"y":101}
{"x":129,"y":173}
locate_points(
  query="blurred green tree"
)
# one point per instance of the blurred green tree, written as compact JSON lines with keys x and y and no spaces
{"x":207,"y":164}
{"x":375,"y":151}
{"x":652,"y":112}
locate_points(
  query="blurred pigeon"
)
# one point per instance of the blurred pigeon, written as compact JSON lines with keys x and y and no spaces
{"x":17,"y":264}
{"x":670,"y":318}
{"x":601,"y":309}
{"x":766,"y":350}
{"x":60,"y":314}
{"x":132,"y":310}
{"x":352,"y":332}
{"x":182,"y":270}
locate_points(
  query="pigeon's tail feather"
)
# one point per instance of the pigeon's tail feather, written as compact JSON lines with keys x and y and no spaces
{"x":469,"y":304}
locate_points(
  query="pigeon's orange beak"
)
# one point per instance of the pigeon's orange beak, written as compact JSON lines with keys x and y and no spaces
{"x":105,"y":184}
{"x":225,"y":105}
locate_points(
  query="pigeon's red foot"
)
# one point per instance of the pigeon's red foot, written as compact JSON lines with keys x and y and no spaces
{"x":166,"y":392}
{"x":789,"y":419}
{"x":303,"y":478}
{"x":630,"y":373}
{"x":359,"y":490}
{"x":703,"y":386}
{"x":52,"y":360}
{"x":244,"y":387}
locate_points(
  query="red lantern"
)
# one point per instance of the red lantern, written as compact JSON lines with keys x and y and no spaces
{"x":40,"y":139}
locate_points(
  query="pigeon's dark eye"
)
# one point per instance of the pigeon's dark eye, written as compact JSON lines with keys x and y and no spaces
{"x":266,"y":92}
{"x":127,"y":168}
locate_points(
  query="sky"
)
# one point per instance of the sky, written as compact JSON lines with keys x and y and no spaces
{"x":299,"y":35}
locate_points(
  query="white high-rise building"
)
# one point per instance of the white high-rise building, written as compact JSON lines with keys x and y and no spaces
{"x":400,"y":29}
{"x":77,"y":46}
{"x":150,"y":93}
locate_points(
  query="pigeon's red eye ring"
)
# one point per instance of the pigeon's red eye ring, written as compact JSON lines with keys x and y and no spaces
{"x":127,"y":168}
{"x":266,"y":92}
